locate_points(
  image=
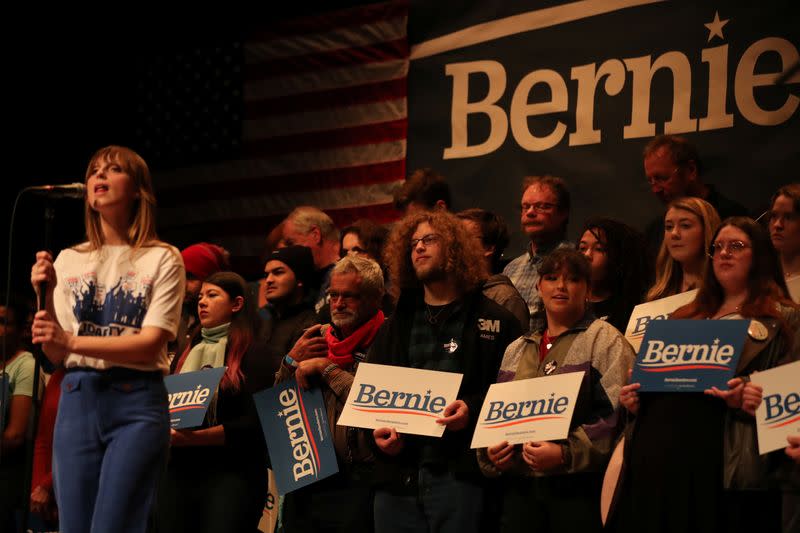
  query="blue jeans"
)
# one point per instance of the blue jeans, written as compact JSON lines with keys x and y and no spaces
{"x":109,"y":449}
{"x":443,"y":504}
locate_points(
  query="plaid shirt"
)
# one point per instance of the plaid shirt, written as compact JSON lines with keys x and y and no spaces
{"x":435,"y":347}
{"x":524,"y":274}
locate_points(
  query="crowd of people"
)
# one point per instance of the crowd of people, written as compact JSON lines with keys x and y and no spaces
{"x":124,"y":309}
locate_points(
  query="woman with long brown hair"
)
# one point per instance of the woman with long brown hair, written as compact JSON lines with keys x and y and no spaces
{"x":112,"y":303}
{"x":697,"y":445}
{"x":217,"y":474}
{"x":689,"y":224}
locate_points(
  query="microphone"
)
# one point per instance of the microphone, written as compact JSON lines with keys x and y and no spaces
{"x":64,"y":190}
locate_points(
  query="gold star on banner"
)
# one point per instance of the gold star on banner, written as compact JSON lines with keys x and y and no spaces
{"x":715,"y":27}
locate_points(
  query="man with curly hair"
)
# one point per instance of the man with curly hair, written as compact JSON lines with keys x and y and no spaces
{"x":442,"y":322}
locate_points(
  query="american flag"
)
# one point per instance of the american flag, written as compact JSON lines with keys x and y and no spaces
{"x":323,"y":121}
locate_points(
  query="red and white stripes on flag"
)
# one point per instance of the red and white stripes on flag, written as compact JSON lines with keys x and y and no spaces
{"x":324,"y":124}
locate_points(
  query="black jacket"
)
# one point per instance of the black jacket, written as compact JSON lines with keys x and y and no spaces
{"x":280,"y":332}
{"x":481,"y":349}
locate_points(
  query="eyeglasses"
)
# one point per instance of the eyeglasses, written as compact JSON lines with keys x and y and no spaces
{"x":539,"y":207}
{"x":662,"y":179}
{"x":427,"y":240}
{"x":346,"y":297}
{"x":733,"y":247}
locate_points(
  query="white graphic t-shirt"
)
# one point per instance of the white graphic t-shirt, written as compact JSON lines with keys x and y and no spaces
{"x":117,"y":291}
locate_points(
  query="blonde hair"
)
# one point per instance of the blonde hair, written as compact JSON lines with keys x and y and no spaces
{"x":142,"y":225}
{"x":669,"y":274}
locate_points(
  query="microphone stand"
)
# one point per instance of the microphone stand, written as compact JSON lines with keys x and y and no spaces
{"x":39,"y":356}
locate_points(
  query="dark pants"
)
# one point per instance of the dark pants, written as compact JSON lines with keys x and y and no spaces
{"x":552,"y":504}
{"x":753,"y":510}
{"x":12,"y":499}
{"x":209,"y":498}
{"x":336,"y":504}
{"x":443,"y":503}
{"x":109,"y":449}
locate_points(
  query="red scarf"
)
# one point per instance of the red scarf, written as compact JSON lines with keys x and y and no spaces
{"x":340,"y":352}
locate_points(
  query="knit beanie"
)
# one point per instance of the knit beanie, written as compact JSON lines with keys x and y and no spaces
{"x":299,"y":259}
{"x":203,"y":259}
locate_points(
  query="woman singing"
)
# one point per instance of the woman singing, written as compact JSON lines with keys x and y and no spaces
{"x":112,"y":303}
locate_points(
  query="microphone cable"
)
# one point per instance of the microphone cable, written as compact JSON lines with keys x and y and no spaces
{"x":4,"y":393}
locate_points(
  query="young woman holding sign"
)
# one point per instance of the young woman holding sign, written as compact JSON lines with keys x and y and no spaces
{"x":555,"y":486}
{"x":217,"y":475}
{"x":112,"y":303}
{"x":676,"y":445}
{"x":689,"y":224}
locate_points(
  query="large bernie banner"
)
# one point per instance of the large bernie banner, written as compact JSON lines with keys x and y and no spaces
{"x":503,"y":89}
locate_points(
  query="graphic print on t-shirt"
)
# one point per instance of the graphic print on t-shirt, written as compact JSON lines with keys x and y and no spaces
{"x":108,"y":311}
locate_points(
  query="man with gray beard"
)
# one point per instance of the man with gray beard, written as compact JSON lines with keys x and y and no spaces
{"x":342,"y":502}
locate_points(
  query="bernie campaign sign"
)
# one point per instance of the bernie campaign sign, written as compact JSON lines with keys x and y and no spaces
{"x":190,"y":395}
{"x":297,"y":433}
{"x":511,"y":88}
{"x":689,"y":355}
{"x":778,"y":415}
{"x":659,"y":309}
{"x":535,"y":409}
{"x":409,"y":400}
